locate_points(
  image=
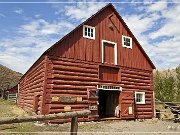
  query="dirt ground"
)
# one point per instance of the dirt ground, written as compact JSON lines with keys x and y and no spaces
{"x":147,"y":127}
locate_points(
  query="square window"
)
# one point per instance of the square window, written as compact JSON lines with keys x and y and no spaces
{"x":127,"y":42}
{"x":89,"y":32}
{"x":140,"y":97}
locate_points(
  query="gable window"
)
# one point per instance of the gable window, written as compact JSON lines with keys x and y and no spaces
{"x":140,"y":97}
{"x":127,"y":42}
{"x":89,"y":32}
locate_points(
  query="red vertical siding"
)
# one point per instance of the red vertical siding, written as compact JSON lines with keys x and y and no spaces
{"x":76,"y":47}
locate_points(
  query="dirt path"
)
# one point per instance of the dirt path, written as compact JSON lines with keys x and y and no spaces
{"x":147,"y":127}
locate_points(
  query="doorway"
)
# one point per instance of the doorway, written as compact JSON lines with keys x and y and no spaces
{"x":108,"y":100}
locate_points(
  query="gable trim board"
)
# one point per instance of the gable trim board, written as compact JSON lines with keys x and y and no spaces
{"x":121,"y":20}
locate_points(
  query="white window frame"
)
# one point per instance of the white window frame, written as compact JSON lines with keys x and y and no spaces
{"x":143,"y":97}
{"x":107,"y":87}
{"x":85,"y":36}
{"x":130,"y":47}
{"x":115,"y":50}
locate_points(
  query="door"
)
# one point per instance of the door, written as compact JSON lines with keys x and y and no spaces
{"x":108,"y":53}
{"x":92,"y":95}
{"x":127,"y":103}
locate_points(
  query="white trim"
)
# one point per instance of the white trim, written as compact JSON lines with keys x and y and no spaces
{"x":130,"y":42}
{"x":106,"y":87}
{"x":143,"y":97}
{"x":115,"y":50}
{"x":86,"y":26}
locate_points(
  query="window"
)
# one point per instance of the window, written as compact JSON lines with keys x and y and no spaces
{"x":89,"y":32}
{"x":140,"y":97}
{"x":127,"y":42}
{"x":106,"y":87}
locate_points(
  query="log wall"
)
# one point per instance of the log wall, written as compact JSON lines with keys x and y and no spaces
{"x":135,"y":80}
{"x":30,"y":96}
{"x":66,"y":77}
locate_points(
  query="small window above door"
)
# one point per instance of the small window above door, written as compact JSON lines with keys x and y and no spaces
{"x":89,"y":32}
{"x":126,"y":42}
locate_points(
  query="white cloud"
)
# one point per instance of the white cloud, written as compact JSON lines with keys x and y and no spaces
{"x":158,"y":6}
{"x":31,"y":40}
{"x":82,"y":11}
{"x":171,"y":27}
{"x":40,"y":27}
{"x":18,"y":11}
{"x":164,"y":53}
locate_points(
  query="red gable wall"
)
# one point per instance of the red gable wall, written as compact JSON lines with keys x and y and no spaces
{"x":75,"y":46}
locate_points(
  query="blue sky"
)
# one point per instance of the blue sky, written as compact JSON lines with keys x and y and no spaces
{"x":28,"y":29}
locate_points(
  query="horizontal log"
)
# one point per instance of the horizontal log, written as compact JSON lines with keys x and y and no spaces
{"x":144,"y":109}
{"x":70,"y":87}
{"x":31,"y":85}
{"x":144,"y":113}
{"x":69,"y":92}
{"x":52,"y":111}
{"x":144,"y":116}
{"x":93,"y":75}
{"x":68,"y":120}
{"x":65,"y":68}
{"x":79,"y":106}
{"x":135,"y":76}
{"x":75,"y":95}
{"x":70,"y":60}
{"x":137,"y":87}
{"x":135,"y":80}
{"x":134,"y":83}
{"x":33,"y":90}
{"x":136,"y":72}
{"x":35,"y":74}
{"x":74,"y":78}
{"x":36,"y":67}
{"x":65,"y":82}
{"x":44,"y":117}
{"x":77,"y":102}
{"x":82,"y":65}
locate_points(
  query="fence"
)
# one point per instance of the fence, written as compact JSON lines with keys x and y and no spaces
{"x":12,"y":97}
{"x":73,"y":115}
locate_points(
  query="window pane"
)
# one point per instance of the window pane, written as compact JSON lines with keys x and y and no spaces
{"x":91,"y":34}
{"x":91,"y":30}
{"x":139,"y":97}
{"x":126,"y":43}
{"x":85,"y":33}
{"x":128,"y":40}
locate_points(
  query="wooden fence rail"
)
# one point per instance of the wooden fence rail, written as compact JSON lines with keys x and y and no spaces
{"x":73,"y":115}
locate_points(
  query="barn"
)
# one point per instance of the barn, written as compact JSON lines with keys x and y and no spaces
{"x":99,"y":66}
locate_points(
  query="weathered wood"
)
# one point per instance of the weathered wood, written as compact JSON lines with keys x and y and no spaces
{"x":74,"y":125}
{"x":44,"y":117}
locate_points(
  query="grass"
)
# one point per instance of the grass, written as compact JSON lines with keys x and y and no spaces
{"x":10,"y":109}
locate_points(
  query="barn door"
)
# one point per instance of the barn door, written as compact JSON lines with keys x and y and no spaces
{"x":93,"y":102}
{"x":108,"y":53}
{"x":127,"y":105}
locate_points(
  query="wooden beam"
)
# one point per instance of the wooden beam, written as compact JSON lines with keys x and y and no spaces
{"x":10,"y":120}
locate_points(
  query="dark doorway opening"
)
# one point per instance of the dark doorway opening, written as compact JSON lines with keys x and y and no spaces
{"x":108,"y":100}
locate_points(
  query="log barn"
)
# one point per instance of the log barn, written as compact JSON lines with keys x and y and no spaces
{"x":99,"y":66}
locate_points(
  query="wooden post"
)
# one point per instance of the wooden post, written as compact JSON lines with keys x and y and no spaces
{"x":74,"y":125}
